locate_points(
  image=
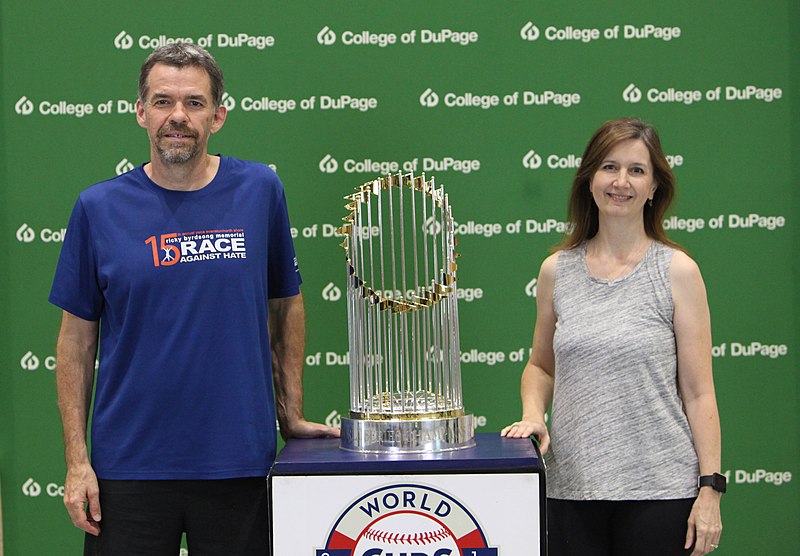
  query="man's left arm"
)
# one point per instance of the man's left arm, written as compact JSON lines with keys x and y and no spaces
{"x":287,"y":329}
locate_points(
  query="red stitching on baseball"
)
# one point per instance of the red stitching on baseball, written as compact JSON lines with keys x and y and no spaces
{"x":427,"y":537}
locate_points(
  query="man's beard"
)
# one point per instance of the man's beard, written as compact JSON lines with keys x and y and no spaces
{"x":176,"y":155}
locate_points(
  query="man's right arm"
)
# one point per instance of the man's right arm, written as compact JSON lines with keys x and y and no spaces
{"x":75,"y":358}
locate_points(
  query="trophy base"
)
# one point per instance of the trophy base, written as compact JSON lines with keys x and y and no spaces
{"x":408,"y":436}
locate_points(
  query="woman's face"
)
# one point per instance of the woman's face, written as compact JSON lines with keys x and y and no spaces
{"x":624,"y":181}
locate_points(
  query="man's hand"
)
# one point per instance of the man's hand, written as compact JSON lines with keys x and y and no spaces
{"x":309,"y":429}
{"x":81,"y":488}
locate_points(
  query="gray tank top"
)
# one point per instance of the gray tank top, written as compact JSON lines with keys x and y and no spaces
{"x":618,"y":428}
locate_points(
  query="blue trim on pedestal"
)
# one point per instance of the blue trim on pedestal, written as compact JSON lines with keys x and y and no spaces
{"x":491,"y":454}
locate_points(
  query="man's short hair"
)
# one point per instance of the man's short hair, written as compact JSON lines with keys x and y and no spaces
{"x":181,"y":55}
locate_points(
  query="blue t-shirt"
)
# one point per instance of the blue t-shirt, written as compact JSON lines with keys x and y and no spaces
{"x":179,"y":282}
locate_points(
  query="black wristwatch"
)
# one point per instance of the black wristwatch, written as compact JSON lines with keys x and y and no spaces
{"x":715,"y":481}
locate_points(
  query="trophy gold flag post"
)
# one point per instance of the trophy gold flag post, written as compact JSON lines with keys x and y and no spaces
{"x":405,"y":374}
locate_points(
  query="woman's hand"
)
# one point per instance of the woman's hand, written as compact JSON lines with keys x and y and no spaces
{"x":526,"y":428}
{"x":705,"y":523}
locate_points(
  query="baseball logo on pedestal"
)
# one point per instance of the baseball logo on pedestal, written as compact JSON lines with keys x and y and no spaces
{"x":406,"y":520}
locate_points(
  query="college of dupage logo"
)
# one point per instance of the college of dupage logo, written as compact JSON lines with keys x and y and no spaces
{"x":405,"y":520}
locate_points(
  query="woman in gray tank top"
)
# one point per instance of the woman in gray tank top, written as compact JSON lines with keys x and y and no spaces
{"x":622,"y":350}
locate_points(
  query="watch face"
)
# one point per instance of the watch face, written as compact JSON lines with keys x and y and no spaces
{"x":718,"y":482}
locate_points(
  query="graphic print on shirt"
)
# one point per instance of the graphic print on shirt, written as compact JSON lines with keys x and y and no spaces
{"x":199,"y":245}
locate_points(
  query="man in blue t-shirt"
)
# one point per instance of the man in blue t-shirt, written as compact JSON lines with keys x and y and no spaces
{"x":184,"y":273}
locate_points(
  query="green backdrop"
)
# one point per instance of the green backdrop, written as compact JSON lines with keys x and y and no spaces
{"x":497,"y":100}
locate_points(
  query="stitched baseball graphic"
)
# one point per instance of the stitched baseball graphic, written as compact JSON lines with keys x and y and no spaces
{"x":407,"y":530}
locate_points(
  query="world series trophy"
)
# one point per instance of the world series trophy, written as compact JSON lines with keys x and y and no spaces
{"x":405,"y":374}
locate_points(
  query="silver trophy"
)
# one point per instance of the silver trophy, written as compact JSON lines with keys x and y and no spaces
{"x":405,"y":376}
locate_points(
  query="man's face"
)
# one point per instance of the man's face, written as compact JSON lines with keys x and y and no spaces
{"x":179,"y":113}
